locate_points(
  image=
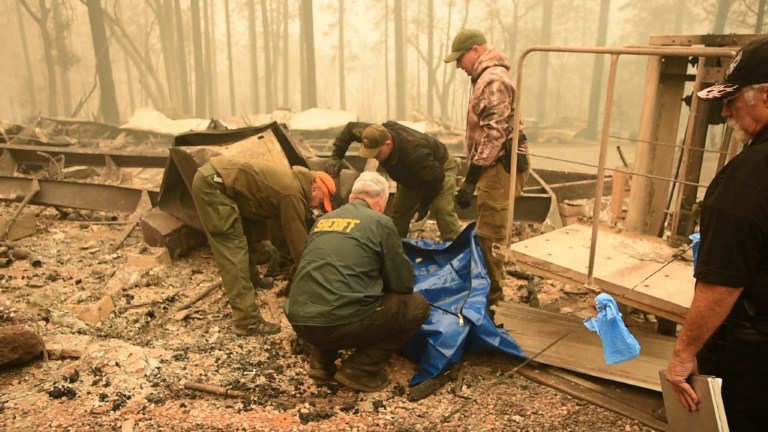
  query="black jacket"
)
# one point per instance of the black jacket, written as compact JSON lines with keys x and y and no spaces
{"x":416,"y":161}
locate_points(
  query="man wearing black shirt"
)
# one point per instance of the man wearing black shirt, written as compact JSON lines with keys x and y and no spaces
{"x":420,"y":164}
{"x":726,"y":331}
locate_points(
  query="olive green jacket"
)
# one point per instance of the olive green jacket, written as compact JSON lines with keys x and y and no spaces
{"x":353,"y":256}
{"x":264,"y":191}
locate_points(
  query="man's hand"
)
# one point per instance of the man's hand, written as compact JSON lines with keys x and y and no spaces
{"x":422,"y":212}
{"x":464,"y":195}
{"x":678,"y":371}
{"x":333,"y":167}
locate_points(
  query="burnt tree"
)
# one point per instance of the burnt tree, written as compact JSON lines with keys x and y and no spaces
{"x":108,"y":99}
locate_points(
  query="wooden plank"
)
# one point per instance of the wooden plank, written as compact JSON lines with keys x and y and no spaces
{"x":659,"y":123}
{"x":626,"y":403}
{"x":637,"y":269}
{"x":582,"y":350}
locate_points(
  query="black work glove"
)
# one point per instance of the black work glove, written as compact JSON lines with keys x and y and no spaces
{"x":422,"y":212}
{"x":333,"y":167}
{"x":464,"y":195}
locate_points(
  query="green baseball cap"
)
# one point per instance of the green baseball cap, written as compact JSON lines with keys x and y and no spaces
{"x":374,"y":136}
{"x":463,"y":42}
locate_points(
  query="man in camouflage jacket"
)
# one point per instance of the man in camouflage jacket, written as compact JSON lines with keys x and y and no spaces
{"x":490,"y":124}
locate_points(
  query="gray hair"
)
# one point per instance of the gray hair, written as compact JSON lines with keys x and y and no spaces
{"x":749,"y":92}
{"x":370,"y":185}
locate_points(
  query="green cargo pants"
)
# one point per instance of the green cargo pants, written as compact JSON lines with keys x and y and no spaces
{"x":406,"y":203}
{"x":223,"y":226}
{"x":492,"y":206}
{"x":375,"y":337}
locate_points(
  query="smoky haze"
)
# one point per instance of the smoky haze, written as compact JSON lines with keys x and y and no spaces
{"x":103,"y":59}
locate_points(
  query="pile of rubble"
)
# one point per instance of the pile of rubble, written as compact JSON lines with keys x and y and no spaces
{"x":120,"y":334}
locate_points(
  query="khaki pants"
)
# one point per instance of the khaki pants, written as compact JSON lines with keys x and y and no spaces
{"x":406,"y":203}
{"x":492,"y":205}
{"x":229,"y":243}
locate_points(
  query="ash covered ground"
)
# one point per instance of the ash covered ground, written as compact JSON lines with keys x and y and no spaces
{"x":136,"y":358}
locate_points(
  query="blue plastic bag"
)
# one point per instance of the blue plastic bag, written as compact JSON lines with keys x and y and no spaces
{"x":454,"y":280}
{"x":695,"y":242}
{"x":618,"y":343}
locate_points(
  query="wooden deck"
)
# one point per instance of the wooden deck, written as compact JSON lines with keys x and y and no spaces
{"x":634,"y":268}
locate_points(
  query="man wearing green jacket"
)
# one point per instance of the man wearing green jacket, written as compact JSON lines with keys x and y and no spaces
{"x":420,"y":164}
{"x":354,"y":289}
{"x":235,"y":199}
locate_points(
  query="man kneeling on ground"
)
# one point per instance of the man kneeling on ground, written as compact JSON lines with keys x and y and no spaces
{"x":354,"y":289}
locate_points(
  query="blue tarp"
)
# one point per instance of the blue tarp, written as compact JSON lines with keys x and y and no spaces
{"x":453,"y":278}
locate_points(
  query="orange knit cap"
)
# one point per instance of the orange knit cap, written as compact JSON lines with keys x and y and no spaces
{"x":326,"y":183}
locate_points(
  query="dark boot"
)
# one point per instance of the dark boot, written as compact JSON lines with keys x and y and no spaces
{"x":322,"y":364}
{"x":364,"y":369}
{"x":361,"y":380}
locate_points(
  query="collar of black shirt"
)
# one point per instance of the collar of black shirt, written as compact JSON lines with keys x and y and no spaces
{"x":761,"y":136}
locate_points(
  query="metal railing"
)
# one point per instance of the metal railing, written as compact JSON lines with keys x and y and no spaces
{"x":701,"y":52}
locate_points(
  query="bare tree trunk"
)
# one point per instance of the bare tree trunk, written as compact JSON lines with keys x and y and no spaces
{"x":679,"y":16}
{"x":430,"y":57}
{"x":399,"y":62}
{"x":197,"y":52}
{"x":302,"y":60}
{"x":253,"y":51}
{"x":386,"y":54}
{"x":163,"y":10}
{"x":342,"y":84}
{"x":229,"y":57}
{"x":286,"y":56}
{"x":723,"y":8}
{"x":307,"y":24}
{"x":276,"y":26}
{"x":142,"y":62}
{"x":268,"y":87}
{"x":214,"y":65}
{"x":760,"y":15}
{"x":546,"y":37}
{"x":30,"y":76}
{"x":131,"y":99}
{"x":42,"y":23}
{"x":207,"y":59}
{"x":597,"y":72}
{"x":416,"y":57}
{"x":108,"y":99}
{"x":63,"y":56}
{"x":181,"y":61}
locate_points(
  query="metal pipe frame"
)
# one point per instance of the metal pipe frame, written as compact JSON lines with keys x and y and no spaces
{"x":701,"y":52}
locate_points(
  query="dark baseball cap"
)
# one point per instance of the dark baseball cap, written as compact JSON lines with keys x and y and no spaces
{"x":374,"y":136}
{"x":748,"y":67}
{"x":463,"y":42}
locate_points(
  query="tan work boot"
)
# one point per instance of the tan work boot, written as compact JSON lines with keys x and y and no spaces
{"x":256,"y":328}
{"x":362,"y":381}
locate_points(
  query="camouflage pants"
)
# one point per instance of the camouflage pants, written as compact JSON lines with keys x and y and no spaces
{"x":229,"y":238}
{"x":406,"y":203}
{"x":375,"y":337}
{"x":492,"y":206}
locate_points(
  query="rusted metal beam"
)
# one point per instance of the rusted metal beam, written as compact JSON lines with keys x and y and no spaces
{"x":26,"y":154}
{"x":87,"y":196}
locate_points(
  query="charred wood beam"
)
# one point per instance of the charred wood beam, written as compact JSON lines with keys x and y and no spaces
{"x":25,"y":154}
{"x":86,"y":196}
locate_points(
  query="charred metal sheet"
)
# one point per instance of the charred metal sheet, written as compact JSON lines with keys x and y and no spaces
{"x":26,"y":154}
{"x":190,"y":150}
{"x":532,"y":208}
{"x":86,"y":196}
